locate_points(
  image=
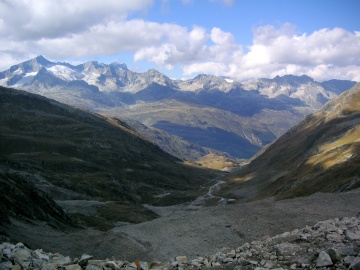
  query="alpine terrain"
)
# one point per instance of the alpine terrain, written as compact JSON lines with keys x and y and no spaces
{"x":76,"y":182}
{"x":232,"y":118}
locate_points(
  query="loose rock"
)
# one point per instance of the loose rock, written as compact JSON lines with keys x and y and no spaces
{"x":330,"y":244}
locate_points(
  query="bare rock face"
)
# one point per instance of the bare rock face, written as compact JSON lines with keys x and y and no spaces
{"x":330,"y":244}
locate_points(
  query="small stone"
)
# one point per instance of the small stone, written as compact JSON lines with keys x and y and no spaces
{"x":269,"y":264}
{"x":6,"y":265}
{"x":334,"y":237}
{"x":73,"y":267}
{"x":7,"y":252}
{"x":23,"y":254}
{"x":37,"y":263}
{"x":16,"y":267}
{"x":173,"y":264}
{"x":181,"y":259}
{"x":41,"y":255}
{"x":323,"y":259}
{"x":62,"y":260}
{"x":195,"y":264}
{"x":20,"y":245}
{"x":143,"y":265}
{"x":287,"y":249}
{"x":112,"y":265}
{"x":253,"y":262}
{"x":349,"y":235}
{"x":348,"y":260}
{"x":228,"y":260}
{"x":337,"y":252}
{"x":216,"y":264}
{"x":231,"y":254}
{"x":84,"y":259}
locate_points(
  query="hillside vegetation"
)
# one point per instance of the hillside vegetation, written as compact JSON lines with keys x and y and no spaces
{"x":322,"y":153}
{"x":65,"y":156}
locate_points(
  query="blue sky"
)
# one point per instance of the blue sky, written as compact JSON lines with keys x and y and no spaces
{"x":182,"y":38}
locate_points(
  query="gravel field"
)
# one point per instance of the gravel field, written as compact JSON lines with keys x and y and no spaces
{"x":190,"y":231}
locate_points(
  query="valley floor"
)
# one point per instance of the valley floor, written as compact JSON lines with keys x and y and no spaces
{"x":193,"y":233}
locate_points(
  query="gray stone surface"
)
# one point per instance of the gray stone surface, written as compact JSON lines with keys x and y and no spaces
{"x":289,"y":250}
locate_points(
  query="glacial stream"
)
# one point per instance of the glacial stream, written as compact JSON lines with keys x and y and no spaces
{"x":209,"y":198}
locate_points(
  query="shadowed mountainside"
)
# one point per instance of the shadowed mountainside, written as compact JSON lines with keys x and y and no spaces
{"x":55,"y":157}
{"x":321,"y":154}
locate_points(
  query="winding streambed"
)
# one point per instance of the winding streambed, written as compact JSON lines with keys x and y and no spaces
{"x":209,"y":199}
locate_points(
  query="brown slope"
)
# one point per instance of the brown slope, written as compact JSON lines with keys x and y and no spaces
{"x":319,"y":154}
{"x":77,"y":158}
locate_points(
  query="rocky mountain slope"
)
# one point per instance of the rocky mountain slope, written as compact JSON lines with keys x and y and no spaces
{"x":268,"y":107}
{"x":319,"y":154}
{"x":67,"y":166}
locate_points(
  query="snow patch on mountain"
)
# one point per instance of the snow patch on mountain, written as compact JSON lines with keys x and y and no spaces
{"x":26,"y":79}
{"x":91,"y":77}
{"x":65,"y":73}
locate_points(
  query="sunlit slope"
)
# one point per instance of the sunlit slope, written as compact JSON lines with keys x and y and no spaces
{"x":320,"y":154}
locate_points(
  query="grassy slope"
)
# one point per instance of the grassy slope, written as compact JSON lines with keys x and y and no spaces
{"x":75,"y":155}
{"x":320,"y":154}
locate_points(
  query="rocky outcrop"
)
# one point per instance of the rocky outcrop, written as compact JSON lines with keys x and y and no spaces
{"x":330,"y":244}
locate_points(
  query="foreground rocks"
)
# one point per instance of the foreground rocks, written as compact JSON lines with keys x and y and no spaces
{"x":330,"y":244}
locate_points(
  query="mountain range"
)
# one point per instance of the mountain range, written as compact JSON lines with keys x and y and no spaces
{"x":230,"y":118}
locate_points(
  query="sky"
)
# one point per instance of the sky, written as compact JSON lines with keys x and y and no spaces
{"x":240,"y":39}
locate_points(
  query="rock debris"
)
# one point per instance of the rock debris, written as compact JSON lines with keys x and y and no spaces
{"x":330,"y":244}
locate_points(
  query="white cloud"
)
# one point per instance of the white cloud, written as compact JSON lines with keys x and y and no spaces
{"x":65,"y":28}
{"x":197,"y":51}
{"x":34,"y":19}
{"x":324,"y":54}
{"x":89,"y":28}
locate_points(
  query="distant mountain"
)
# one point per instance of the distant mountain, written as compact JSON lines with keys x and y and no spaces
{"x":54,"y":157}
{"x":238,"y":118}
{"x":321,"y":154}
{"x":303,"y":88}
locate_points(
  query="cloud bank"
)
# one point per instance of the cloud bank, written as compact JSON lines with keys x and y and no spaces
{"x":84,"y":29}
